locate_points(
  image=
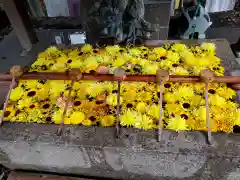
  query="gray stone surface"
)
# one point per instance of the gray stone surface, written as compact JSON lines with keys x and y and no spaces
{"x":135,"y":155}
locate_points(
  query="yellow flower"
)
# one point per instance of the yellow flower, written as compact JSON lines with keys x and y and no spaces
{"x":35,"y":115}
{"x":179,"y":71}
{"x":107,"y":121}
{"x":210,"y":47}
{"x":134,"y":51}
{"x":144,"y":122}
{"x":112,"y":49}
{"x":119,"y":62}
{"x":177,"y":124}
{"x":189,"y":58}
{"x":217,"y":100}
{"x":150,"y":69}
{"x":26,"y":102}
{"x":172,"y":108}
{"x":200,"y":113}
{"x":237,"y":120}
{"x":77,"y":117}
{"x":57,"y":117}
{"x":226,"y":92}
{"x":178,"y":47}
{"x":169,"y":97}
{"x":160,"y":51}
{"x":112,"y":99}
{"x":52,"y":50}
{"x":154,"y":111}
{"x":22,"y":116}
{"x":62,"y":59}
{"x":141,"y":107}
{"x":184,"y":92}
{"x":58,"y":67}
{"x":87,"y":122}
{"x":86,"y":48}
{"x":16,"y":94}
{"x":128,"y":118}
{"x":94,"y":89}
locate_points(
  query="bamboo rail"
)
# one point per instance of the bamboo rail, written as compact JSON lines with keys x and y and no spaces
{"x":5,"y":77}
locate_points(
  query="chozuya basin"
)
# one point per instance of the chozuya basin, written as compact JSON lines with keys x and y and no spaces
{"x":135,"y":154}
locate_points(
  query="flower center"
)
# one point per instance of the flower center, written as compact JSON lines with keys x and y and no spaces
{"x":92,"y":118}
{"x":99,"y":102}
{"x":184,"y":116}
{"x":211,"y":91}
{"x":77,"y":103}
{"x":46,"y":106}
{"x":7,"y":113}
{"x":186,"y":105}
{"x":163,"y":57}
{"x":31,"y":93}
{"x":32,"y":106}
{"x":129,"y":105}
{"x":167,"y":85}
{"x":69,"y":61}
{"x":48,"y":119}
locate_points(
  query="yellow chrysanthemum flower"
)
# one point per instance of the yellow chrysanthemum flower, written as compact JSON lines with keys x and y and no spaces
{"x":22,"y":116}
{"x":200,"y":113}
{"x":26,"y":102}
{"x":57,"y":117}
{"x":210,"y":47}
{"x":141,"y":107}
{"x":184,"y":92}
{"x":107,"y":121}
{"x":178,"y":47}
{"x":112,"y":99}
{"x":16,"y":94}
{"x":86,"y":122}
{"x":217,"y":100}
{"x":226,"y":92}
{"x":112,"y":49}
{"x":179,"y":71}
{"x":128,"y":118}
{"x":160,"y":51}
{"x":154,"y":111}
{"x":58,"y":67}
{"x":86,"y":48}
{"x":237,"y":120}
{"x":135,"y":51}
{"x":150,"y":69}
{"x":143,"y":122}
{"x":77,"y":117}
{"x":119,"y":62}
{"x":177,"y":124}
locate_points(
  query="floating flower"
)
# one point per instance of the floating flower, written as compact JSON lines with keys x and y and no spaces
{"x":77,"y":117}
{"x":107,"y":121}
{"x":141,"y":107}
{"x":128,"y":118}
{"x":154,"y":111}
{"x":86,"y":48}
{"x":112,"y":99}
{"x":87,"y":122}
{"x":177,"y":124}
{"x":144,"y":122}
{"x":16,"y":94}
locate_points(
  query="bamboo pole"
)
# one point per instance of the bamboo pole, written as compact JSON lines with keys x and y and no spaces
{"x":107,"y":77}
